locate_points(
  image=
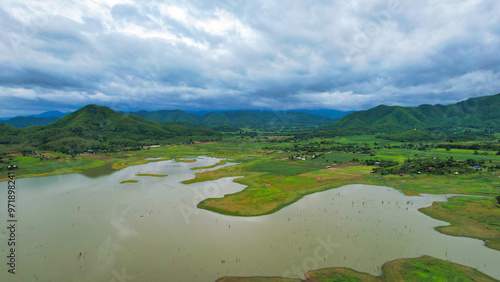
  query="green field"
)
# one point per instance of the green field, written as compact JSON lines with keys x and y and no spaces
{"x":151,"y":175}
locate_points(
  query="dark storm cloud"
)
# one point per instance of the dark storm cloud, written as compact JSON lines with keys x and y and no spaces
{"x":233,"y":54}
{"x":43,"y":78}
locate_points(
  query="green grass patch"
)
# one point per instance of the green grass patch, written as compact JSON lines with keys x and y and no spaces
{"x":435,"y":270}
{"x":129,"y":181}
{"x":280,"y":168}
{"x":417,"y":269}
{"x":223,"y":162}
{"x":337,"y":157}
{"x":185,"y":161}
{"x":151,"y":175}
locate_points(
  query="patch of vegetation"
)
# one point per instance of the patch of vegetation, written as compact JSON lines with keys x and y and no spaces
{"x":129,"y":181}
{"x":408,"y":136}
{"x":339,"y":275}
{"x":185,"y":161}
{"x":429,"y":269}
{"x":223,"y":162}
{"x":151,"y":175}
{"x":427,"y":165}
{"x":493,"y":146}
{"x":469,"y":217}
{"x":226,"y":128}
{"x":423,"y":269}
{"x":257,"y":279}
{"x":281,"y":168}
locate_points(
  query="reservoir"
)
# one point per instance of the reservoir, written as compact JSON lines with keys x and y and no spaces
{"x":90,"y":227}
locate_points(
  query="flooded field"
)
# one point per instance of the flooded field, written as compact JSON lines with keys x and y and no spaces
{"x":90,"y":227}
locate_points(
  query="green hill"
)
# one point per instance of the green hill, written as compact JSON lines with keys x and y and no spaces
{"x":98,"y":127}
{"x":9,"y":134}
{"x":481,"y":112}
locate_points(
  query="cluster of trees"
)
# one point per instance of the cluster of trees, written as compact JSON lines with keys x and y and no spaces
{"x":381,"y":163}
{"x":4,"y":162}
{"x":316,"y":147}
{"x":434,"y":166}
{"x":493,"y":146}
{"x":439,"y":135}
{"x":226,"y":128}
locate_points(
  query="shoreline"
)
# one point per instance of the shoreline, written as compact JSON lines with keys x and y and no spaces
{"x":413,"y":269}
{"x":472,"y":224}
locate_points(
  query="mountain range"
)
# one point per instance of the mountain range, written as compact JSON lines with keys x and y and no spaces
{"x":38,"y":119}
{"x":480,"y":112}
{"x":101,"y":127}
{"x":21,"y":122}
{"x":244,"y":119}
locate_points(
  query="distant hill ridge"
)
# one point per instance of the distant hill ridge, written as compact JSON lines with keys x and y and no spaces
{"x":39,"y":119}
{"x":480,"y":112}
{"x":252,"y":119}
{"x":239,"y":118}
{"x":21,"y":122}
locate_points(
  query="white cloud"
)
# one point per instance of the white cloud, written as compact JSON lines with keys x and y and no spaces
{"x":28,"y":94}
{"x":255,"y":54}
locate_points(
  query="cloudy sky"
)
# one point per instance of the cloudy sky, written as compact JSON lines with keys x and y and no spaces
{"x":242,"y":54}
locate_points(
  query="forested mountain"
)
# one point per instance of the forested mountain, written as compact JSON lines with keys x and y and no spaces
{"x":21,"y":122}
{"x":333,"y":114}
{"x":240,"y":119}
{"x":56,"y":114}
{"x":101,"y":127}
{"x":481,"y":112}
{"x":167,"y":115}
{"x":98,"y":126}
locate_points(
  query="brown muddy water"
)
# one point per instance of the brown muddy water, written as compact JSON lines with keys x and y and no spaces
{"x":92,"y":228}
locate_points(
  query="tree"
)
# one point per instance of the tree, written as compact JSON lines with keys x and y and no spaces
{"x":498,"y":199}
